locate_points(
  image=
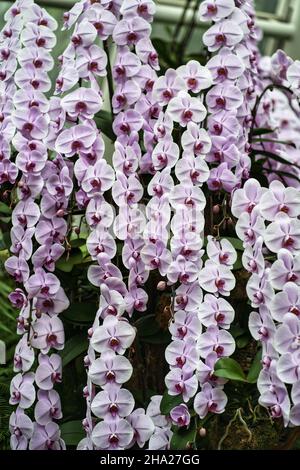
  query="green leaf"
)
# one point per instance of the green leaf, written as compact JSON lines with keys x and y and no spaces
{"x":237,"y":330}
{"x":274,"y":141}
{"x":165,"y":51}
{"x":66,"y":264}
{"x":238,"y":264}
{"x":4,"y":209}
{"x":262,"y":131}
{"x":103,"y":120}
{"x":162,"y":337}
{"x":182,"y":437}
{"x":282,"y":173}
{"x":242,"y":341}
{"x":72,"y":432}
{"x":5,"y":241}
{"x":77,"y":242}
{"x":80,"y":313}
{"x":235,"y":242}
{"x":147,"y":326}
{"x":74,"y":347}
{"x":168,"y":402}
{"x":150,"y":332}
{"x":229,"y":369}
{"x":273,"y":156}
{"x":255,"y":368}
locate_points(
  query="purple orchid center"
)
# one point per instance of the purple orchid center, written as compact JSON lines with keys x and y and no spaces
{"x":295,"y":311}
{"x":76,"y":145}
{"x":7,"y":33}
{"x":121,"y":99}
{"x":194,"y":175}
{"x":96,"y":183}
{"x":288,"y":241}
{"x":211,"y":9}
{"x":111,"y":310}
{"x":48,"y":303}
{"x":155,"y":262}
{"x":49,"y":444}
{"x":284,"y":208}
{"x":179,"y":387}
{"x":35,"y":84}
{"x":259,"y":296}
{"x":131,"y":37}
{"x":27,"y":128}
{"x":53,"y":411}
{"x":216,"y":183}
{"x":120,"y":70}
{"x":218,"y":128}
{"x":96,"y":218}
{"x":181,"y":300}
{"x":192,"y":82}
{"x":220,"y":38}
{"x":219,"y":317}
{"x":110,"y":375}
{"x":296,"y":342}
{"x":168,"y":94}
{"x":55,"y":377}
{"x":15,"y":11}
{"x":263,"y":332}
{"x":40,"y":42}
{"x":22,"y":219}
{"x":180,"y":361}
{"x":218,"y":156}
{"x":182,"y":331}
{"x":51,"y":339}
{"x":158,"y":190}
{"x":252,"y":265}
{"x":162,"y":158}
{"x":212,"y":406}
{"x":138,"y":304}
{"x":93,"y":66}
{"x":113,"y":408}
{"x":17,"y":432}
{"x":17,"y":395}
{"x":222,"y":72}
{"x":223,"y":257}
{"x":136,"y":255}
{"x":249,"y":234}
{"x":43,"y":22}
{"x":143,"y":8}
{"x":276,"y":411}
{"x":114,"y":342}
{"x":80,"y":107}
{"x":76,"y":40}
{"x":186,"y":251}
{"x":99,"y":26}
{"x":17,"y":361}
{"x":113,"y":439}
{"x":198,"y":147}
{"x":187,"y":115}
{"x":38,"y":63}
{"x":184,"y":278}
{"x":220,"y":283}
{"x":219,"y":349}
{"x":5,"y":53}
{"x":125,"y":128}
{"x":221,"y":101}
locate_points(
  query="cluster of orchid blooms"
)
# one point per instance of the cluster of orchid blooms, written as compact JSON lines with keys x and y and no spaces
{"x":188,"y":131}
